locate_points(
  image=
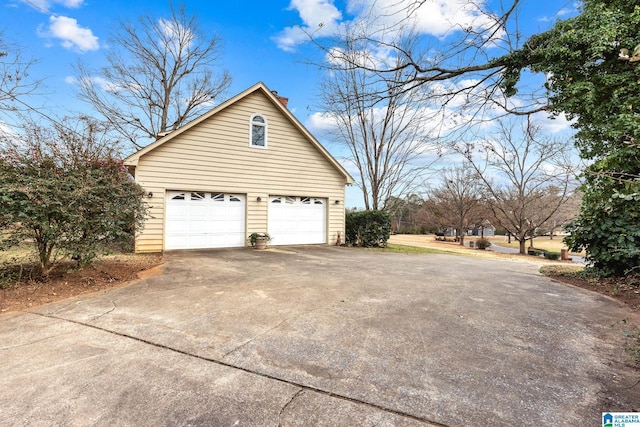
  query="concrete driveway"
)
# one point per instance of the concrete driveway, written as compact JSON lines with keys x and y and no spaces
{"x":318,"y":336}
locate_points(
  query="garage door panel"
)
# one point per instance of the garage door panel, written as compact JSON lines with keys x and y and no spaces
{"x":225,"y":240}
{"x":198,"y":211}
{"x":176,"y":227}
{"x":198,"y":226}
{"x":204,"y":220}
{"x":197,"y":241}
{"x":297,"y":220}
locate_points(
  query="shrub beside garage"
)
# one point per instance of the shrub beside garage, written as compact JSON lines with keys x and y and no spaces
{"x":368,"y":229}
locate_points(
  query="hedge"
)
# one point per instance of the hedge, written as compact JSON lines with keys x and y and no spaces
{"x":552,"y":255}
{"x":368,"y":228}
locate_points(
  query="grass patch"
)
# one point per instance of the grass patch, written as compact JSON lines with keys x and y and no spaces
{"x":541,"y":243}
{"x":562,"y":270}
{"x":402,"y":249}
{"x":16,"y":265}
{"x":21,"y":253}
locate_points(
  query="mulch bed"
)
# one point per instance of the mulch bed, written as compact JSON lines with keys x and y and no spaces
{"x":625,"y":289}
{"x":68,"y":281}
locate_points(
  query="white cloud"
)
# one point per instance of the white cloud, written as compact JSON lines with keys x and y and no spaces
{"x":564,"y":12}
{"x":319,"y":17}
{"x":387,"y":18}
{"x":105,"y":84}
{"x":10,"y":136}
{"x":316,"y":13}
{"x":377,"y":57}
{"x":71,"y":35}
{"x":554,"y":125}
{"x":44,"y":5}
{"x":437,"y":18}
{"x":7,"y":131}
{"x":102,"y":83}
{"x":321,"y":122}
{"x":177,"y":36}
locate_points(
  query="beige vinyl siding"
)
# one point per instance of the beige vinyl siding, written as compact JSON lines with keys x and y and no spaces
{"x":215,"y":156}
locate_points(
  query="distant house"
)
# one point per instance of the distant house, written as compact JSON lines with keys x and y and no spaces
{"x":473,"y":230}
{"x":248,"y":165}
{"x":486,"y":230}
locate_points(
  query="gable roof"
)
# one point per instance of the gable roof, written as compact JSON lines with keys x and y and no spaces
{"x":132,"y":160}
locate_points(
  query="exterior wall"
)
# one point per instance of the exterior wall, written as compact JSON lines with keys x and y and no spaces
{"x":488,"y":231}
{"x":215,"y":156}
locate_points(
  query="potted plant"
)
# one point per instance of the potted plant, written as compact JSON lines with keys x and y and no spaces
{"x":259,"y":240}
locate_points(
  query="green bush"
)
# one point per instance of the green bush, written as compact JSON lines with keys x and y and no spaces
{"x":552,"y":255}
{"x":67,"y":193}
{"x":483,"y":243}
{"x":607,"y":227}
{"x":534,"y":252}
{"x":368,"y":228}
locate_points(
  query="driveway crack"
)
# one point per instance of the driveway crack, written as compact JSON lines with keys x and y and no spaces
{"x":220,"y":362}
{"x":105,"y":313}
{"x":298,"y":393}
{"x":254,"y":338}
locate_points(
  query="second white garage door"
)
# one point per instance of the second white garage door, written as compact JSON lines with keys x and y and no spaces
{"x":197,"y":220}
{"x":297,"y":220}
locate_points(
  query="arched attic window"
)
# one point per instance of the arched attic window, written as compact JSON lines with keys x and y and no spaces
{"x":258,"y":131}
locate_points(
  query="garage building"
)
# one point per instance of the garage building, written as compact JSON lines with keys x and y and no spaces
{"x":246,"y":166}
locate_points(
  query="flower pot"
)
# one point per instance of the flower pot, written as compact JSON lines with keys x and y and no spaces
{"x":261,"y":243}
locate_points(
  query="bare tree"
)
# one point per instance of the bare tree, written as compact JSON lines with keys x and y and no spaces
{"x":387,"y":140}
{"x":470,"y":60}
{"x":407,"y":213}
{"x":159,"y":76}
{"x":15,"y":80}
{"x":436,"y":216}
{"x":458,"y":199}
{"x":398,"y":209}
{"x":527,"y":177}
{"x":568,"y":211}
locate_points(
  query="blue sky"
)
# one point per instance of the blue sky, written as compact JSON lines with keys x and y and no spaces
{"x":261,"y":41}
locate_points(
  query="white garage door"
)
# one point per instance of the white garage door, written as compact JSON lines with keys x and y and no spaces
{"x":197,"y":220}
{"x":297,"y":220}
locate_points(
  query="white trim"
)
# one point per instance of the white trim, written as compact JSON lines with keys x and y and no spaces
{"x":264,"y":125}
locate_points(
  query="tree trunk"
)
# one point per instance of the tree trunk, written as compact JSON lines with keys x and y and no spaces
{"x":523,"y":244}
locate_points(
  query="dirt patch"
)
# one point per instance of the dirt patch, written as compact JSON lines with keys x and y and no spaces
{"x":67,"y":281}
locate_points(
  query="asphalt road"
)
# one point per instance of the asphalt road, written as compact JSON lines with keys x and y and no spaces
{"x":318,"y":336}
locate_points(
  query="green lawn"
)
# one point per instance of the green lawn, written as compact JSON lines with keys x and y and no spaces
{"x":18,"y":254}
{"x":402,"y":249}
{"x":542,"y":242}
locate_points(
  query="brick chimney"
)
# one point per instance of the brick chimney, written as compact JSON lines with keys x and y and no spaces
{"x":282,"y":99}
